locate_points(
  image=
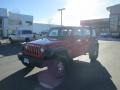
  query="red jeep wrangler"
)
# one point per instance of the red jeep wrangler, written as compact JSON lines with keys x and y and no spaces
{"x":61,"y":45}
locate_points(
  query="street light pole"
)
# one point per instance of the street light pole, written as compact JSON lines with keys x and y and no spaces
{"x":61,"y":14}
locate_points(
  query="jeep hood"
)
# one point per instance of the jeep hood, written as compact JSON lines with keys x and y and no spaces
{"x":44,"y":41}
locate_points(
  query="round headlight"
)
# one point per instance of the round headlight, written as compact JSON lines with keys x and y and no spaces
{"x":42,"y":50}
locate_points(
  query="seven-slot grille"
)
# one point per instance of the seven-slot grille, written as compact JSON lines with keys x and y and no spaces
{"x":33,"y":50}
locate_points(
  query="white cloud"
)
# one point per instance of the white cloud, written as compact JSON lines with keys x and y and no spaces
{"x":77,"y":10}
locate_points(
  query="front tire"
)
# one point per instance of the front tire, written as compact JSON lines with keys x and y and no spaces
{"x":61,"y":66}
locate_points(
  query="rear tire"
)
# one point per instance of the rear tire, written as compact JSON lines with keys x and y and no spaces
{"x":93,"y":53}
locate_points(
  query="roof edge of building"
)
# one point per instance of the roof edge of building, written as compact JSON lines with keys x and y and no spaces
{"x":108,"y":8}
{"x":95,"y":19}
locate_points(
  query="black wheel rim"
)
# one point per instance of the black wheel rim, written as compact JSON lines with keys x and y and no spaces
{"x":60,"y":69}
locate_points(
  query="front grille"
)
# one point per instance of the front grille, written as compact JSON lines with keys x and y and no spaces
{"x":33,"y":50}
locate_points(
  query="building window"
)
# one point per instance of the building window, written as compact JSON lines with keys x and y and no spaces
{"x":14,"y":22}
{"x":20,"y":22}
{"x":0,"y":23}
{"x":29,"y":22}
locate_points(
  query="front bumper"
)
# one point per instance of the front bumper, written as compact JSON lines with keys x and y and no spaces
{"x":32,"y":60}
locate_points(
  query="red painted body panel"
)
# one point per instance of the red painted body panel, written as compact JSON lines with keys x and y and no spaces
{"x":75,"y":46}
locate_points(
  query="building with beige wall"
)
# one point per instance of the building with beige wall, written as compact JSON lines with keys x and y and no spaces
{"x":114,"y":19}
{"x":100,"y":25}
{"x":106,"y":25}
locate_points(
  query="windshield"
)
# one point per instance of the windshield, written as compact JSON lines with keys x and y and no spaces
{"x":26,"y":32}
{"x":61,"y":32}
{"x":68,"y":32}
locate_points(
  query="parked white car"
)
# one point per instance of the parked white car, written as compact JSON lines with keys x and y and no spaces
{"x":21,"y":35}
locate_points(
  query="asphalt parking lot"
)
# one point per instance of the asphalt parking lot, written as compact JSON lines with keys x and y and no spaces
{"x":102,"y":74}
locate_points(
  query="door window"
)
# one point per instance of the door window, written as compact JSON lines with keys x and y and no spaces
{"x":86,"y":32}
{"x":26,"y":32}
{"x":77,"y":33}
{"x":93,"y":33}
{"x":64,"y":32}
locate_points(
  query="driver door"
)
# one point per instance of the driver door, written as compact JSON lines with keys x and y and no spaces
{"x":73,"y":42}
{"x":77,"y":42}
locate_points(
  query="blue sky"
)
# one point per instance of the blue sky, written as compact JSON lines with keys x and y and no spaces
{"x":45,"y":11}
{"x":38,"y":8}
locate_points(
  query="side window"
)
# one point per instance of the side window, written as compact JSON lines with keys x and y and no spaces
{"x":70,"y":32}
{"x":26,"y":32}
{"x":93,"y":33}
{"x":64,"y":32}
{"x":86,"y":32}
{"x":77,"y":33}
{"x":54,"y":32}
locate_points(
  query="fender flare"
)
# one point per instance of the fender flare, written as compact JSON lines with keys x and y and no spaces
{"x":51,"y":52}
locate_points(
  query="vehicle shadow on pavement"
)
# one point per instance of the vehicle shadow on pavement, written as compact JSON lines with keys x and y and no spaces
{"x":18,"y":81}
{"x":87,"y":76}
{"x":82,"y":76}
{"x":9,"y":49}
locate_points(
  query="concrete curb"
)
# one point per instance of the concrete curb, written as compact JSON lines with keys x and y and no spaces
{"x":109,"y":39}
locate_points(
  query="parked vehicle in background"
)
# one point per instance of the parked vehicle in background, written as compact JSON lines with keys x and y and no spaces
{"x":21,"y":35}
{"x":115,"y":35}
{"x":61,"y":45}
{"x":105,"y":35}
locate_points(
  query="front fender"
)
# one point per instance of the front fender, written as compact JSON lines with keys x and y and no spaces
{"x":49,"y":53}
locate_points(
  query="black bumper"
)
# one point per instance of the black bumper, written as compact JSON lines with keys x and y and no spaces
{"x":32,"y":61}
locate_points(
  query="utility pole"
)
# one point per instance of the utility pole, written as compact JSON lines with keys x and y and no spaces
{"x":61,"y":14}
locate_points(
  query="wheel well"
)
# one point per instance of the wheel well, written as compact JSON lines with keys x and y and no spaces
{"x":60,"y":51}
{"x":50,"y":53}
